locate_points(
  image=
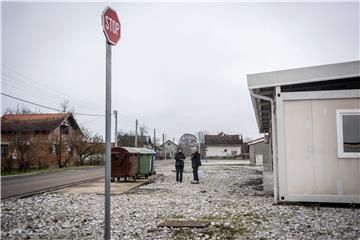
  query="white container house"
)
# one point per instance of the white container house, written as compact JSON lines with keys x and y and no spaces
{"x":313,"y":117}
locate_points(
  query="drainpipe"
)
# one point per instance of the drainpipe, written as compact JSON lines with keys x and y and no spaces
{"x":274,"y":141}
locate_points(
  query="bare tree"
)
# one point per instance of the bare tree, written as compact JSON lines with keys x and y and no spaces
{"x":23,"y":145}
{"x":186,"y":142}
{"x":18,"y":110}
{"x":66,"y":107}
{"x":63,"y":152}
{"x":144,"y":130}
{"x":87,"y":145}
{"x":62,"y":145}
{"x":126,"y":139}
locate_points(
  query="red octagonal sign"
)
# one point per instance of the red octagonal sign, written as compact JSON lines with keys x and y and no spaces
{"x":111,"y":25}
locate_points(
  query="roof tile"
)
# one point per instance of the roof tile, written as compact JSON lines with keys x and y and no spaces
{"x":31,"y":122}
{"x":222,"y":139}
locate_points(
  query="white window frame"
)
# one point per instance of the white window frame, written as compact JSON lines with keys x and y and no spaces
{"x":340,"y":137}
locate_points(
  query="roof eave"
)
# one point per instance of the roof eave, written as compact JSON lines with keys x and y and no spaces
{"x":256,"y":110}
{"x":304,"y":75}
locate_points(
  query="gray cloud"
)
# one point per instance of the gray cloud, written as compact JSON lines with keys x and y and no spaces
{"x":179,"y":67}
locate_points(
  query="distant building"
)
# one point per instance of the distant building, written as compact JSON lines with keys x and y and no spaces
{"x":260,"y":152}
{"x":170,"y":148}
{"x":222,"y":145}
{"x":245,"y":150}
{"x":32,"y":138}
{"x":129,"y":141}
{"x":313,"y":117}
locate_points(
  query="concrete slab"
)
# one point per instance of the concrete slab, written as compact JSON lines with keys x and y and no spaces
{"x":225,"y":162}
{"x":98,"y":187}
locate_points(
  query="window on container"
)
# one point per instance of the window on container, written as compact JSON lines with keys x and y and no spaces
{"x":348,"y":129}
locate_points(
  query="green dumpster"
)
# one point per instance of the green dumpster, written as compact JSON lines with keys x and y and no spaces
{"x":144,"y":162}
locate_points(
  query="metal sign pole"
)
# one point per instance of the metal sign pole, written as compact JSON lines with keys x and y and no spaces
{"x":108,"y":143}
{"x":116,"y":132}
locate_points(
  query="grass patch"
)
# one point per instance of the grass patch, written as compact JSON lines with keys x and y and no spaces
{"x":225,"y":227}
{"x":5,"y":209}
{"x":177,"y":216}
{"x":182,"y":234}
{"x":230,"y":232}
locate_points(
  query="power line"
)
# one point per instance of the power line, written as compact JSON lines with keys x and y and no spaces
{"x":93,"y":120}
{"x":39,"y":85}
{"x":51,"y":108}
{"x":23,"y":90}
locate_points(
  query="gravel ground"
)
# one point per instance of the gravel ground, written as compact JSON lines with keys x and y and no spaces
{"x":229,"y":196}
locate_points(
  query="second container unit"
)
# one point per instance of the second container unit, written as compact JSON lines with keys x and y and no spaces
{"x":145,"y":161}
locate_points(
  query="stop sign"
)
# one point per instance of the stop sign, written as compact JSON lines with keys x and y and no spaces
{"x":111,"y":25}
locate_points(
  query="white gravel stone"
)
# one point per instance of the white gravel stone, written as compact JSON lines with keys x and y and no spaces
{"x":227,"y":196}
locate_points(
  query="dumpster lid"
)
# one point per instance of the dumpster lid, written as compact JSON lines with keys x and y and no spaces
{"x":144,"y":150}
{"x":128,"y":149}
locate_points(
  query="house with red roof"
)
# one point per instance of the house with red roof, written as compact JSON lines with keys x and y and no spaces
{"x":38,"y":140}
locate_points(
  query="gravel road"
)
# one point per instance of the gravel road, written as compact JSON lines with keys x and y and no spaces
{"x":228,"y":196}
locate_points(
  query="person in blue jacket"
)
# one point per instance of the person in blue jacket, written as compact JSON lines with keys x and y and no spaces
{"x":195,"y":163}
{"x":179,"y":164}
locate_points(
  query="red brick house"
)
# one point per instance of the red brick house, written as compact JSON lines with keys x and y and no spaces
{"x":38,"y":140}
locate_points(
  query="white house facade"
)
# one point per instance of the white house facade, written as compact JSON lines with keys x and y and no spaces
{"x":170,"y":149}
{"x":223,"y":145}
{"x":223,"y":151}
{"x":313,"y":117}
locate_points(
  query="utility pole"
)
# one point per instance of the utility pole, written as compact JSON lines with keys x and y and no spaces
{"x":116,"y":132}
{"x":199,"y":142}
{"x":164,"y":146}
{"x":136,"y":133}
{"x":154,"y":137}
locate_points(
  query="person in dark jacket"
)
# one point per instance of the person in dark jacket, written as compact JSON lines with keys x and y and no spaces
{"x":179,"y":165}
{"x":195,"y":163}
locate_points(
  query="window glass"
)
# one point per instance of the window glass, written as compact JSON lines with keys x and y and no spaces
{"x":351,"y":133}
{"x":64,"y":129}
{"x":4,"y":149}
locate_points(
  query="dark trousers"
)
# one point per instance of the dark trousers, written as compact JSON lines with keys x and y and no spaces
{"x":195,"y":173}
{"x":179,"y":174}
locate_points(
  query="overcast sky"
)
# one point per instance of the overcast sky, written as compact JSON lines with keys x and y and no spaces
{"x":179,"y":67}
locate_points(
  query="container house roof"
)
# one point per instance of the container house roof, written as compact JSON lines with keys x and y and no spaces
{"x":259,"y":140}
{"x":304,"y":75}
{"x":336,"y":76}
